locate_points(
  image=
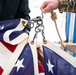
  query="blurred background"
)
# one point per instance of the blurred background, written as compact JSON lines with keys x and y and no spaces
{"x":50,"y":30}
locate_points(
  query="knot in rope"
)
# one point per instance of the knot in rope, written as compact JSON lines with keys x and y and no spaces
{"x":53,"y":16}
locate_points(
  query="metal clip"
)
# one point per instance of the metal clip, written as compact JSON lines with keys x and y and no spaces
{"x":39,"y":26}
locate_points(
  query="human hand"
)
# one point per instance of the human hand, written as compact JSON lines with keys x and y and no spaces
{"x":49,"y":6}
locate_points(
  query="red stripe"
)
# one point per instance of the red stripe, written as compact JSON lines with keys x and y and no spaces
{"x":9,"y":46}
{"x":41,"y":68}
{"x":1,"y":70}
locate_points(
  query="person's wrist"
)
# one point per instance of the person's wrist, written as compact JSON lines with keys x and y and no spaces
{"x":63,"y":4}
{"x":67,"y":6}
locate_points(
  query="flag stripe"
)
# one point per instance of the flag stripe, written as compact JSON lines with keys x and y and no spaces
{"x":20,"y":35}
{"x":4,"y":55}
{"x":1,"y":70}
{"x":9,"y":46}
{"x":14,"y":57}
{"x":35,"y":58}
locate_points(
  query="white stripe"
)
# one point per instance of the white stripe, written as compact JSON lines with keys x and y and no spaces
{"x":35,"y":58}
{"x":4,"y":55}
{"x":14,"y":57}
{"x":71,"y":31}
{"x":19,"y":38}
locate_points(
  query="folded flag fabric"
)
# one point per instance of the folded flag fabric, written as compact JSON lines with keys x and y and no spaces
{"x":12,"y":40}
{"x":57,"y":61}
{"x":11,"y":31}
{"x":19,"y":57}
{"x":24,"y":64}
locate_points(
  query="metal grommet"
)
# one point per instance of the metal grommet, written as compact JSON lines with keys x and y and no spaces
{"x":23,"y":22}
{"x":32,"y":42}
{"x":44,"y":41}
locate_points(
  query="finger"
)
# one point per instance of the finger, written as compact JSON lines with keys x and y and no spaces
{"x":47,"y":9}
{"x":44,"y":5}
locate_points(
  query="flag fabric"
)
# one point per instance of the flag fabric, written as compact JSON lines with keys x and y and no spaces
{"x":11,"y":36}
{"x":11,"y":30}
{"x":24,"y":64}
{"x":71,"y":27}
{"x":57,"y":61}
{"x":13,"y":43}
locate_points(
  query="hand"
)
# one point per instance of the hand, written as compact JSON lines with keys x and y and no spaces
{"x":49,"y":6}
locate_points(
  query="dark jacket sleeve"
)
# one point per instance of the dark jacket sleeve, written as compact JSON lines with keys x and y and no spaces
{"x":23,"y":12}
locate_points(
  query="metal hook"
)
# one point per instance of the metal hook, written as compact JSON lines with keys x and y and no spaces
{"x":39,"y":26}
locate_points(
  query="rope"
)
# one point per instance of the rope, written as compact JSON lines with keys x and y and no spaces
{"x":54,"y":18}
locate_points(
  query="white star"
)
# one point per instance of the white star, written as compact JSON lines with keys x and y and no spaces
{"x":50,"y":66}
{"x":19,"y":64}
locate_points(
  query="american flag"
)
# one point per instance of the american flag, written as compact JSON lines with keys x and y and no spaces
{"x":58,"y":62}
{"x":11,"y":35}
{"x":24,"y":64}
